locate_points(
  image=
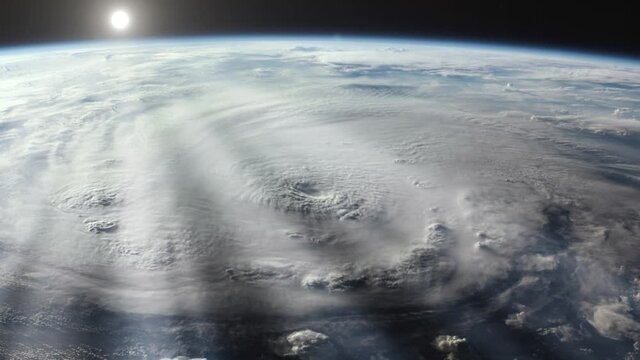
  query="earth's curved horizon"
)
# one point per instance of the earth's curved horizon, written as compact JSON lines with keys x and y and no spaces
{"x":125,"y":41}
{"x":367,"y":198}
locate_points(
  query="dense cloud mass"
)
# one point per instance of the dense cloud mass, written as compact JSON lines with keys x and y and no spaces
{"x":262,"y":198}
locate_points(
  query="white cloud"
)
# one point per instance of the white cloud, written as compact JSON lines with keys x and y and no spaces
{"x":614,"y":320}
{"x":304,"y":340}
{"x":450,"y":344}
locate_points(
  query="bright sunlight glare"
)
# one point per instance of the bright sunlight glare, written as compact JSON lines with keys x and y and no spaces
{"x":120,"y":20}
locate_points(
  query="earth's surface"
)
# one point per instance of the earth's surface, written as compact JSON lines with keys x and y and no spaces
{"x":318,"y":198}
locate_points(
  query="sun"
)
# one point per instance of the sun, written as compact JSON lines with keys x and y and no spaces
{"x":120,"y":20}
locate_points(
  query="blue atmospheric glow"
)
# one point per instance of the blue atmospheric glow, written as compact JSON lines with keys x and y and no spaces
{"x":380,"y":40}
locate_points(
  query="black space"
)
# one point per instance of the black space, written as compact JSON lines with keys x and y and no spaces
{"x":596,"y":26}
